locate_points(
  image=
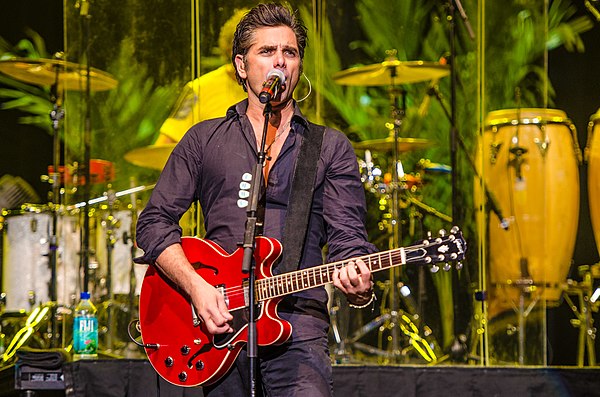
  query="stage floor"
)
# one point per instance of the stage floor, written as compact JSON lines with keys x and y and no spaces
{"x":119,"y":378}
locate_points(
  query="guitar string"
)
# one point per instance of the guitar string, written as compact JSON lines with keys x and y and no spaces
{"x":340,"y":264}
{"x":237,"y":291}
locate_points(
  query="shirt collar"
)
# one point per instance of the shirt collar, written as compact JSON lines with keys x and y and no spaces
{"x":239,"y":109}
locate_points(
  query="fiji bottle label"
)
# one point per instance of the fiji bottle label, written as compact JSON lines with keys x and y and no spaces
{"x":85,"y":335}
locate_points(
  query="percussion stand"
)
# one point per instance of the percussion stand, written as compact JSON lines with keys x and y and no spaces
{"x":398,"y":112}
{"x":56,"y":115}
{"x":87,"y":139}
{"x":588,"y":303}
{"x":110,"y":223}
{"x":131,"y":239}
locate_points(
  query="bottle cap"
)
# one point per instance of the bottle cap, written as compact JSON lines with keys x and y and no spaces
{"x":84,"y":295}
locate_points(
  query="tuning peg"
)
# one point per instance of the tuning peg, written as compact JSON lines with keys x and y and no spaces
{"x":442,"y":232}
{"x":428,"y":234}
{"x":458,"y":265}
{"x":434,"y":269}
{"x":447,"y":267}
{"x":455,"y":229}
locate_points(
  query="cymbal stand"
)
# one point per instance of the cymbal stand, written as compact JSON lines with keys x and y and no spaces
{"x":398,"y":113}
{"x":87,"y":140}
{"x":56,"y":115}
{"x":130,"y":238}
{"x":110,"y":223}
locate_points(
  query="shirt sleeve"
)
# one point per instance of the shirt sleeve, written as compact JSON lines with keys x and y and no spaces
{"x":344,"y":204}
{"x":158,"y":224}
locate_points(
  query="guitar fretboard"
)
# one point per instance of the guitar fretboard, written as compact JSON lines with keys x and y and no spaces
{"x":304,"y":279}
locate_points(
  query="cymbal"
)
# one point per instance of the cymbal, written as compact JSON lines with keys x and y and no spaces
{"x":154,"y":156}
{"x":392,"y":72}
{"x":387,"y":144}
{"x":45,"y":72}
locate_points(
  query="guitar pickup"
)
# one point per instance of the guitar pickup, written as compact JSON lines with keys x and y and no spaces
{"x":245,"y":285}
{"x":221,"y":289}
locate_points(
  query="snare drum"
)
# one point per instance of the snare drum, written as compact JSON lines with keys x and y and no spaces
{"x":26,"y":273}
{"x":530,"y":166}
{"x":593,"y":158}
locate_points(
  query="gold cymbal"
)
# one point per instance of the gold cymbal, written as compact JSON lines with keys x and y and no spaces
{"x":392,"y":72}
{"x":154,"y":156}
{"x":387,"y":144}
{"x":46,"y":72}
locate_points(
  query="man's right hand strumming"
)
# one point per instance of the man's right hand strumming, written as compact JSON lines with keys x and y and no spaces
{"x":209,"y":302}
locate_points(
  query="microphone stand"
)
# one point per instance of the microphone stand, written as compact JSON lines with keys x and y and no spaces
{"x":56,"y":115}
{"x":491,"y":202}
{"x":248,"y":265}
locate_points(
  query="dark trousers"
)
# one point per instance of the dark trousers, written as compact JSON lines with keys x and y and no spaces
{"x":292,"y":369}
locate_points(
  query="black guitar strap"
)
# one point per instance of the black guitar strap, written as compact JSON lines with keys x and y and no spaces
{"x":301,"y":198}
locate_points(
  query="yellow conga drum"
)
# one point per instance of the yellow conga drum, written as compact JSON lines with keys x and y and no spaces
{"x":592,"y":151}
{"x":530,"y":165}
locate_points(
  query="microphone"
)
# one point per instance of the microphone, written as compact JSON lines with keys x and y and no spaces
{"x":271,"y":86}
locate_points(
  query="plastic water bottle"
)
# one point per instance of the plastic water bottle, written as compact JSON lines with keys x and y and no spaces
{"x":85,"y":329}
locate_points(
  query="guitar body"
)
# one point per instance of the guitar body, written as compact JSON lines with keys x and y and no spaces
{"x":184,"y":353}
{"x":181,"y":350}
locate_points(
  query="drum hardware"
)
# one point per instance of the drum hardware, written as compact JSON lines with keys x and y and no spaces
{"x":587,"y":304}
{"x":33,"y":322}
{"x":410,"y":325}
{"x":61,"y":75}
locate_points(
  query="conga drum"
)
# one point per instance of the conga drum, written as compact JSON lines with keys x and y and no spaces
{"x":530,"y":166}
{"x":593,"y":158}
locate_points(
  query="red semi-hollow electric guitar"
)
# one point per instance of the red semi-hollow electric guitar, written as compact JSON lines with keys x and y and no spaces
{"x":176,"y":341}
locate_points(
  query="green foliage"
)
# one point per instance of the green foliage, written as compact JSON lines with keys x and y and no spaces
{"x":27,"y":98}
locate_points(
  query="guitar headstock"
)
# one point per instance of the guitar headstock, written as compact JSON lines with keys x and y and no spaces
{"x":445,"y":248}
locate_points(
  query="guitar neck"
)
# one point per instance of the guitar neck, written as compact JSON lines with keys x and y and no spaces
{"x":300,"y":280}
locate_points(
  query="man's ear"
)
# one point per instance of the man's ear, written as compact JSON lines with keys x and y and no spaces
{"x":240,"y":66}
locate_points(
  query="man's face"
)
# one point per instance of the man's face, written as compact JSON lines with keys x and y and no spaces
{"x":273,"y":48}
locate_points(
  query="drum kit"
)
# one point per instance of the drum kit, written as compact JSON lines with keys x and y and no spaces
{"x":43,"y":246}
{"x":402,"y":335}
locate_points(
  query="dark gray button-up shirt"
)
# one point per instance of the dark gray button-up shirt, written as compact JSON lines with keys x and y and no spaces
{"x":208,"y":165}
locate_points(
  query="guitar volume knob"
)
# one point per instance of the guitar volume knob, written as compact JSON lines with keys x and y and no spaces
{"x":185,"y":350}
{"x":169,"y":361}
{"x":199,"y":365}
{"x":182,"y":376}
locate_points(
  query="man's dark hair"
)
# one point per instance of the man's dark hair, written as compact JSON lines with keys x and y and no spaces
{"x":261,"y":16}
